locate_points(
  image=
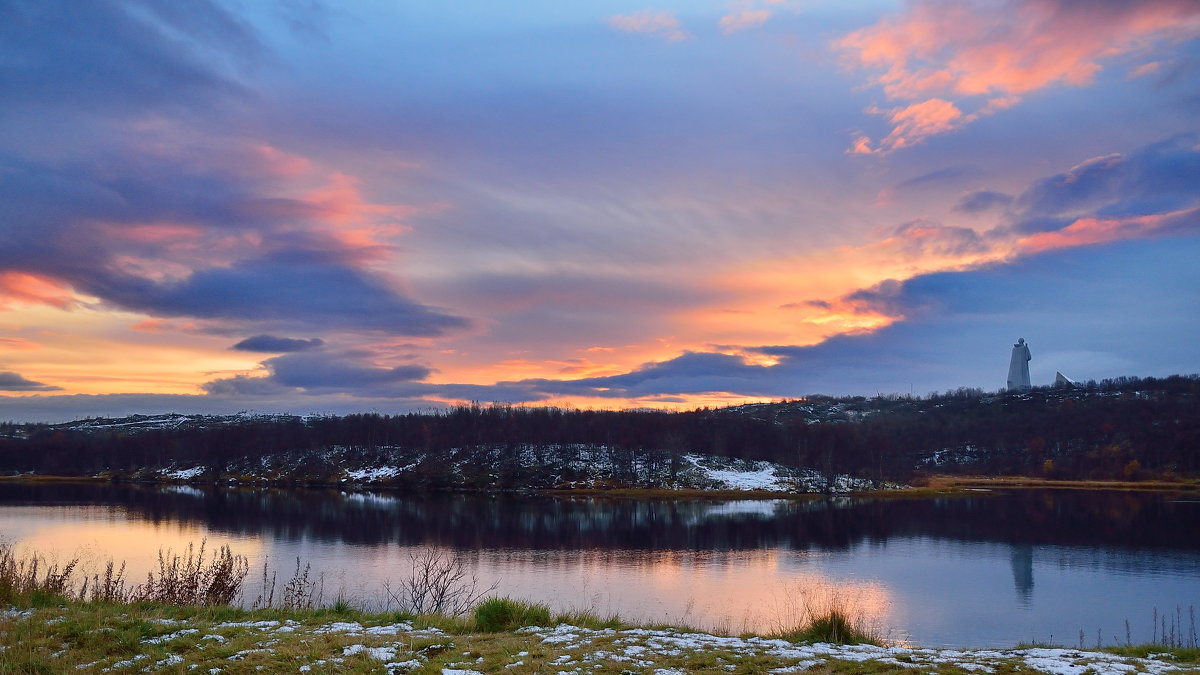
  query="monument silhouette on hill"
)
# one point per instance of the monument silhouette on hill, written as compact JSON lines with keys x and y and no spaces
{"x":1018,"y":367}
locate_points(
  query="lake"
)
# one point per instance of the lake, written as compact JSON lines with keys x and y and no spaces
{"x":985,"y":569}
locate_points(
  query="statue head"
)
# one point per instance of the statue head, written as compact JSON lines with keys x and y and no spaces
{"x":1020,"y":341}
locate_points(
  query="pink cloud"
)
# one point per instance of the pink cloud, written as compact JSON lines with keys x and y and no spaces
{"x":32,"y":288}
{"x":731,"y":23}
{"x":1099,"y":230}
{"x":279,"y":163}
{"x":1001,"y":51}
{"x":911,"y":124}
{"x":659,"y":24}
{"x":1146,"y":69}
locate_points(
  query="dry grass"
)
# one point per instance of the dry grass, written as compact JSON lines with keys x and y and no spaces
{"x":190,"y":578}
{"x":948,"y":482}
{"x":823,"y":612}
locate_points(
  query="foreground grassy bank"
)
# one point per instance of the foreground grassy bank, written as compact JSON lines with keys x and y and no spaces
{"x":47,"y":634}
{"x":55,"y":618}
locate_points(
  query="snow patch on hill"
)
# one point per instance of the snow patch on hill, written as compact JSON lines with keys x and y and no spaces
{"x":523,"y":467}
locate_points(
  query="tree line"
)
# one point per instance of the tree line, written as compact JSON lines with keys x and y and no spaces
{"x":1125,"y":428}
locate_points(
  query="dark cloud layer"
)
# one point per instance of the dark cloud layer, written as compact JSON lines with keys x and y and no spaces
{"x":690,"y":373}
{"x":272,"y":343}
{"x":10,"y":381}
{"x":110,"y":54}
{"x":1156,"y":178}
{"x":348,"y":372}
{"x":270,"y":291}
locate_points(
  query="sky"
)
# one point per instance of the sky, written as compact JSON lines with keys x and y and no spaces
{"x":385,"y":205}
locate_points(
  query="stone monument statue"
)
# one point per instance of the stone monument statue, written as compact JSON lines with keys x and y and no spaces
{"x":1018,"y":367}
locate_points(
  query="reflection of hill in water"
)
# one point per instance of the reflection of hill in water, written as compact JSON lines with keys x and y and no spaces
{"x":1127,"y":521}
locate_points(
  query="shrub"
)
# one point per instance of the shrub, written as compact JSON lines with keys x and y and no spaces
{"x":191,"y":580}
{"x":496,"y":615}
{"x":834,"y":627}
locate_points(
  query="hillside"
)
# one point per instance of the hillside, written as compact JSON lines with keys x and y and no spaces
{"x":1129,"y":429}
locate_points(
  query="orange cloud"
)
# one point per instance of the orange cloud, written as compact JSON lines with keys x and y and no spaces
{"x":659,"y":24}
{"x":731,"y":23}
{"x":31,"y":288}
{"x":1001,"y":51}
{"x":1095,"y":230}
{"x":18,"y":344}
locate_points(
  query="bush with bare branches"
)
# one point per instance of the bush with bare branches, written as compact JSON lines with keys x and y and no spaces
{"x":24,"y":576}
{"x":192,"y":580}
{"x":438,"y":584}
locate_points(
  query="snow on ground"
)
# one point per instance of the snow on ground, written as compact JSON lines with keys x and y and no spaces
{"x":762,"y":477}
{"x":183,"y":474}
{"x":641,"y":647}
{"x":401,"y":648}
{"x":375,"y":473}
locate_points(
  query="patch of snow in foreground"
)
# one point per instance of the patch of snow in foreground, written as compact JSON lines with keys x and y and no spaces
{"x":377,"y":653}
{"x":649,"y":644}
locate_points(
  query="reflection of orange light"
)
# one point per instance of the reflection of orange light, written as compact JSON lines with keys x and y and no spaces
{"x":743,"y":591}
{"x":137,"y":543}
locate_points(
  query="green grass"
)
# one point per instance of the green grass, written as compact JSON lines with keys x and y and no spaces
{"x":586,"y":618}
{"x":1179,"y":654}
{"x":835,"y":627}
{"x":56,"y":637}
{"x":495,"y":615}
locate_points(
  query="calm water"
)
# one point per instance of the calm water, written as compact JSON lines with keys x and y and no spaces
{"x":986,"y":570}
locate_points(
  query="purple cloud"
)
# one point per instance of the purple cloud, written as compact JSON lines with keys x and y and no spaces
{"x":1152,"y":179}
{"x":119,"y":55}
{"x":982,"y":200}
{"x":10,"y":381}
{"x":271,"y":343}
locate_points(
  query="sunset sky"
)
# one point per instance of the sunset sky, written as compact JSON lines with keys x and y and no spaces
{"x":392,"y":205}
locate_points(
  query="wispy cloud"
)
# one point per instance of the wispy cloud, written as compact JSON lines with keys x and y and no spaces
{"x":744,"y":19}
{"x":976,"y":58}
{"x":654,"y":23}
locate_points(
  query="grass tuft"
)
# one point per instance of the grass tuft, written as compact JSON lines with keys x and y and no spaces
{"x":835,"y":627}
{"x":496,"y":615}
{"x":586,"y":618}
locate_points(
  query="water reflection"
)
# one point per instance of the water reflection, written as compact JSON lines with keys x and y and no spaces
{"x":940,"y":570}
{"x":1022,"y":570}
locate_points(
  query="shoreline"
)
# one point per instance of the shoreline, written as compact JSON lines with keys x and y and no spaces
{"x":1029,"y":482}
{"x":934,"y":486}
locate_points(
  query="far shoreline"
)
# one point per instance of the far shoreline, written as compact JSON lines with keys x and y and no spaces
{"x":941,"y":485}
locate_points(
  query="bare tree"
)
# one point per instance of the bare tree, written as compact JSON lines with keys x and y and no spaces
{"x":439,"y":584}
